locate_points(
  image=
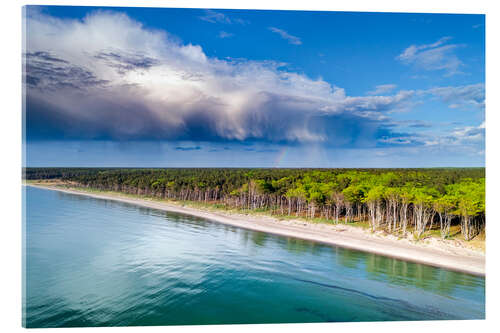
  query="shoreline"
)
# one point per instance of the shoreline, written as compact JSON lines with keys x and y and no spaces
{"x":435,"y":253}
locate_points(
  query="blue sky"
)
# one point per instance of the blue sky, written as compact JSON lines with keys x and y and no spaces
{"x":245,"y":88}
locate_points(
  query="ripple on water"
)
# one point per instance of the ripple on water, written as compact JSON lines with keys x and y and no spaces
{"x":95,"y":262}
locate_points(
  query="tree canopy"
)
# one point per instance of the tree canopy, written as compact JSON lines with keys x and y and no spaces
{"x":394,"y":199}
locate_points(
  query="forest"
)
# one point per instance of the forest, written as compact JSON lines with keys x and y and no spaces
{"x":399,"y":201}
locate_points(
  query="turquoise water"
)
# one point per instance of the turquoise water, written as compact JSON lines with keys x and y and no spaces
{"x":92,"y":262}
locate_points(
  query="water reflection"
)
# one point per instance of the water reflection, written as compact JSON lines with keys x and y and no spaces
{"x":429,"y":278}
{"x":94,"y":262}
{"x":377,"y":267}
{"x":348,"y":258}
{"x":301,"y":246}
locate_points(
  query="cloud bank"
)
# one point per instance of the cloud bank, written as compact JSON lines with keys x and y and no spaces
{"x":107,"y":77}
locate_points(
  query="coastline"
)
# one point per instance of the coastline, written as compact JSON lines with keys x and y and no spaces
{"x":434,"y":253}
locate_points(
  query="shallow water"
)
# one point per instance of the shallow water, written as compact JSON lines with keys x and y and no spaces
{"x":93,"y":262}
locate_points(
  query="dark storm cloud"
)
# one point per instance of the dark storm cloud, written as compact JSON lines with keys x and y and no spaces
{"x":267,"y":150}
{"x":123,"y":120}
{"x":45,"y":71}
{"x":86,"y":80}
{"x":420,"y":125}
{"x":125,"y":62}
{"x":44,"y":56}
{"x":188,"y":148}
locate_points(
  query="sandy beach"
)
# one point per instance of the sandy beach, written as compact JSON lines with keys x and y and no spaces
{"x":434,"y":252}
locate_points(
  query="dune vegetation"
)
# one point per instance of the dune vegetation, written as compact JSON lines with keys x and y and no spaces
{"x":399,"y":201}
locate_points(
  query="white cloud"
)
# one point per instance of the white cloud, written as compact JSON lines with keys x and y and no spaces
{"x":224,"y":34}
{"x":470,"y":132}
{"x":459,"y":137}
{"x":460,"y":96}
{"x":285,"y":35}
{"x":382,"y":89}
{"x":106,"y":76}
{"x":435,"y":56}
{"x":217,"y":17}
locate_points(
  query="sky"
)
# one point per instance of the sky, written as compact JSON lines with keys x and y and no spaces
{"x":165,"y":87}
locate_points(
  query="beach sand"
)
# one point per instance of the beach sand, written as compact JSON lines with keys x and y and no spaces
{"x":432,"y":251}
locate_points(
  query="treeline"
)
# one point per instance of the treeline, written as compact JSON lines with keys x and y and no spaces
{"x":397,"y":200}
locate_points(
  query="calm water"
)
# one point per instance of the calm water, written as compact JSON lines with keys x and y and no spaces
{"x":93,"y":262}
